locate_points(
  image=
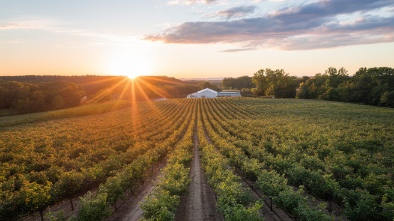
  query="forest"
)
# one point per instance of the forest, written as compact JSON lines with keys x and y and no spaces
{"x":371,"y":86}
{"x":25,"y":97}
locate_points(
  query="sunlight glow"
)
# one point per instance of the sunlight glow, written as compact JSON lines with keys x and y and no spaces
{"x":132,"y":76}
{"x":130,"y":65}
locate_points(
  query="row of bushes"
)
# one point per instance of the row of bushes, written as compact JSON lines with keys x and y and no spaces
{"x":100,"y":205}
{"x":273,"y":186}
{"x":363,"y":196}
{"x":163,"y":202}
{"x":234,"y":201}
{"x":23,"y":192}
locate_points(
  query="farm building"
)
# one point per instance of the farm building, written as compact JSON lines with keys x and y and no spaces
{"x":209,"y":93}
{"x":229,"y":94}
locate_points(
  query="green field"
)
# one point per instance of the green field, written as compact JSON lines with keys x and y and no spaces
{"x":292,"y":149}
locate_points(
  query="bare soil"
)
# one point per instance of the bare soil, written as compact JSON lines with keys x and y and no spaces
{"x":276,"y":214}
{"x":63,"y":207}
{"x":199,"y":202}
{"x":129,"y":208}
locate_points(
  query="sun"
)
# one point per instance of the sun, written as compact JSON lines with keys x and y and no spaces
{"x":130,"y":65}
{"x":132,"y":76}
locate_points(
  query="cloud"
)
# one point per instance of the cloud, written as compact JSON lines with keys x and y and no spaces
{"x":325,"y":8}
{"x":237,"y":12}
{"x":238,"y":49}
{"x":25,"y":24}
{"x":190,"y":2}
{"x":42,"y":24}
{"x":314,"y":25}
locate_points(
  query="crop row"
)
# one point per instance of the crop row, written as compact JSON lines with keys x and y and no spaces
{"x":316,"y":161}
{"x":234,"y":200}
{"x":285,"y":197}
{"x":163,"y":202}
{"x":98,"y":206}
{"x":65,"y":158}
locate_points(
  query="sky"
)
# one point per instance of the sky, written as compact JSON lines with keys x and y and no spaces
{"x":193,"y":38}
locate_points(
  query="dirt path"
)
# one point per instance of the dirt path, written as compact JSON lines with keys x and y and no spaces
{"x":276,"y":214}
{"x":199,"y":203}
{"x":63,"y":207}
{"x":129,"y":208}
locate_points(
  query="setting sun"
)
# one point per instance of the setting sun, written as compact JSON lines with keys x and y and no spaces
{"x":132,"y":76}
{"x":130,"y":65}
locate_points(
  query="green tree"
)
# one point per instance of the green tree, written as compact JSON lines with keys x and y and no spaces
{"x":275,"y":82}
{"x":271,"y":183}
{"x":35,"y":196}
{"x":38,"y":101}
{"x":69,"y":185}
{"x":237,"y":83}
{"x":387,"y":99}
{"x":113,"y":188}
{"x":261,"y":82}
{"x":93,"y":207}
{"x":207,"y":84}
{"x":57,"y":103}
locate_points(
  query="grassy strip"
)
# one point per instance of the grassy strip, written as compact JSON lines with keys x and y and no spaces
{"x":85,"y":110}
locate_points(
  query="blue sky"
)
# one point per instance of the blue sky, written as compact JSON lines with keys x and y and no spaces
{"x":193,"y":38}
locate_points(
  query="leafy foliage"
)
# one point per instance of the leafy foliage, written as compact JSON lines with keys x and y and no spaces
{"x":337,"y":152}
{"x":44,"y":166}
{"x":275,"y":82}
{"x":349,"y":163}
{"x":372,"y":86}
{"x":30,"y":97}
{"x":93,"y":208}
{"x":163,"y":202}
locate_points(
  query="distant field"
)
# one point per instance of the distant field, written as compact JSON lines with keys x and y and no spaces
{"x":338,"y":153}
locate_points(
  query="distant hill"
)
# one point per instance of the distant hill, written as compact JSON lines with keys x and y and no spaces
{"x":36,"y":93}
{"x":94,"y":83}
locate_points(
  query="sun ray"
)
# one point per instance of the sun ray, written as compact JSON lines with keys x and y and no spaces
{"x":148,"y":100}
{"x":162,"y":79}
{"x":108,"y":90}
{"x":125,"y":90}
{"x":134,"y":106}
{"x":156,"y":90}
{"x":109,"y":78}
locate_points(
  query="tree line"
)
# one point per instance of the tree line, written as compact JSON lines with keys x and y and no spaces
{"x":35,"y":93}
{"x":371,"y":86}
{"x":26,"y":97}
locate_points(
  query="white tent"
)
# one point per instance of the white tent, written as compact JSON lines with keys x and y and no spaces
{"x":204,"y":93}
{"x":209,"y":93}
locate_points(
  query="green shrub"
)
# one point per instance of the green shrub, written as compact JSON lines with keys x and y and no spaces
{"x":93,"y":207}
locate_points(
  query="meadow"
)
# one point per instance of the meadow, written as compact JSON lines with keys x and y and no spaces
{"x":295,"y":151}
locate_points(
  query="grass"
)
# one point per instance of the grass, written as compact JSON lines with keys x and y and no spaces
{"x":84,"y":110}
